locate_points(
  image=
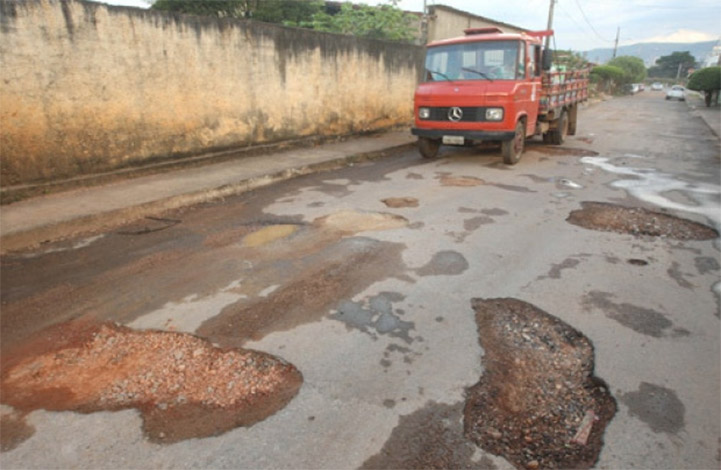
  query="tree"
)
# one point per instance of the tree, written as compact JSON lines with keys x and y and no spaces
{"x":221,"y":8}
{"x":287,"y":12}
{"x":707,"y":80}
{"x":669,"y":66}
{"x":381,"y":22}
{"x":608,"y":77}
{"x":634,"y":70}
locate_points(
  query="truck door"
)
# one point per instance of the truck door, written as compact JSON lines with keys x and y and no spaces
{"x":527,"y":93}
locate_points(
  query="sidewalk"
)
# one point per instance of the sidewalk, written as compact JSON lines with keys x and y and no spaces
{"x":711,"y":115}
{"x":31,"y":222}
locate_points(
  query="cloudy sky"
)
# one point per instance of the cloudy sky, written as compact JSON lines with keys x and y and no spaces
{"x":588,"y":24}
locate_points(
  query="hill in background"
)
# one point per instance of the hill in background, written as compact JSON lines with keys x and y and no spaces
{"x":650,"y":51}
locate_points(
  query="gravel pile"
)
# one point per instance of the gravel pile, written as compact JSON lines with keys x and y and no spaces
{"x":537,"y":403}
{"x":638,"y":221}
{"x":183,"y":386}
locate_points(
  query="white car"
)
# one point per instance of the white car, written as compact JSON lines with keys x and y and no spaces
{"x":657,"y":86}
{"x":676,"y":92}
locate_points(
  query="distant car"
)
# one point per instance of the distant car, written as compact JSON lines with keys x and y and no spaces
{"x":641,"y":87}
{"x":632,"y":88}
{"x":677,"y":92}
{"x":657,"y":86}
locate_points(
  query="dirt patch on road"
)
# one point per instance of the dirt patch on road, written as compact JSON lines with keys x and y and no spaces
{"x":182,"y":385}
{"x":638,"y":221}
{"x":561,"y":151}
{"x":537,"y":403}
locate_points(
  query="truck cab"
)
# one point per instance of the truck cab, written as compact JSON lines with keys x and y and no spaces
{"x":484,"y":86}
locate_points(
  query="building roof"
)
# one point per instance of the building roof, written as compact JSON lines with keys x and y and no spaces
{"x":432,"y":9}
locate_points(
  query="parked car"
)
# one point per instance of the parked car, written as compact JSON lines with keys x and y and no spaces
{"x":677,"y":92}
{"x":657,"y":86}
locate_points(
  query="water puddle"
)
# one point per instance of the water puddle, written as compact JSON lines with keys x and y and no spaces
{"x":650,"y":185}
{"x":538,"y":403}
{"x":374,"y":316}
{"x":182,"y":385}
{"x":638,"y":221}
{"x":444,"y":263}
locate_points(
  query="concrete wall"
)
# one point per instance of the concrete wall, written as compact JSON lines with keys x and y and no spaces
{"x":446,"y":22}
{"x":87,"y":87}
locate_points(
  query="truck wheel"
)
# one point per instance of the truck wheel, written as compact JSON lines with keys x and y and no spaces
{"x":512,"y":149}
{"x":428,"y":147}
{"x":558,"y":135}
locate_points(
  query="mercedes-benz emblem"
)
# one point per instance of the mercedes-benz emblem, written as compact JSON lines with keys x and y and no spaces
{"x":455,"y":114}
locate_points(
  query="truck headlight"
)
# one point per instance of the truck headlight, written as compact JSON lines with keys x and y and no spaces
{"x":424,"y":113}
{"x":494,"y":114}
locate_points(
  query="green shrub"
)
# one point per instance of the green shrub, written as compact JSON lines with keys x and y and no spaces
{"x":707,"y":80}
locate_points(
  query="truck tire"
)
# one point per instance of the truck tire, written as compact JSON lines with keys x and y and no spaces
{"x":512,"y":149}
{"x":428,"y":147}
{"x":558,"y":135}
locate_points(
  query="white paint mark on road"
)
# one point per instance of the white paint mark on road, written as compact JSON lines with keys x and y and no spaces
{"x":650,"y":186}
{"x":85,"y":242}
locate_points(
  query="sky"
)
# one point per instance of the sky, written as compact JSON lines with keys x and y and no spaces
{"x":583,"y":25}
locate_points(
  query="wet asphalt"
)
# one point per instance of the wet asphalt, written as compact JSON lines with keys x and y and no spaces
{"x":372,"y":303}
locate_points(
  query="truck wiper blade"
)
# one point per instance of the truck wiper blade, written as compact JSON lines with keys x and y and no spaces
{"x":439,"y":73}
{"x":466,"y":69}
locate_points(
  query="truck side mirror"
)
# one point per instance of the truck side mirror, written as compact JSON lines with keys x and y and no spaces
{"x":547,"y":59}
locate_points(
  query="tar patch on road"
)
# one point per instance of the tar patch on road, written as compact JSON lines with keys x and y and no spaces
{"x":638,"y":221}
{"x":444,"y":263}
{"x":182,"y":385}
{"x":537,"y":403}
{"x":431,"y":437}
{"x":642,"y":320}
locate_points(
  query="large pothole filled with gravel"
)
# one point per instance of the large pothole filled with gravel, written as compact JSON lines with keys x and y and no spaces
{"x":537,"y":404}
{"x":638,"y":221}
{"x":183,"y":386}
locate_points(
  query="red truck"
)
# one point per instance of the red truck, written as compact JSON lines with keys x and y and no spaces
{"x":494,"y":86}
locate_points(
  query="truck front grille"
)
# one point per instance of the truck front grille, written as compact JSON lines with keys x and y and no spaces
{"x":470,"y":114}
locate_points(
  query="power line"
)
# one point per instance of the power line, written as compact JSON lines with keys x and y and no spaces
{"x":589,"y":23}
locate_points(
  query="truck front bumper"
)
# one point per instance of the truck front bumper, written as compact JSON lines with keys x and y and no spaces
{"x":470,"y":135}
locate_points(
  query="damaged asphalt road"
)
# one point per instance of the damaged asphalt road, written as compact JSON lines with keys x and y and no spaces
{"x":339,"y":307}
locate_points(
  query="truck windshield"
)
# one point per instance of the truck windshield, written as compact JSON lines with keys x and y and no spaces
{"x":492,"y":60}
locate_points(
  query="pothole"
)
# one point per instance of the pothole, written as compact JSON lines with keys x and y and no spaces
{"x":148,"y":225}
{"x":400,"y":202}
{"x":182,"y":385}
{"x":461,"y":181}
{"x":537,"y":404}
{"x":638,"y":221}
{"x":268,"y":235}
{"x":637,"y":262}
{"x":353,"y":222}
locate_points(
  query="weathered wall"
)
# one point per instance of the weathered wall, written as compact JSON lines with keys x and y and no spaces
{"x":88,"y":87}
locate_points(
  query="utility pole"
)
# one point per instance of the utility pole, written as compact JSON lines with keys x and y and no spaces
{"x":424,"y":25}
{"x":615,"y":46}
{"x":550,"y":22}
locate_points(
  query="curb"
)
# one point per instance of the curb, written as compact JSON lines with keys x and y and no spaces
{"x":108,"y":220}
